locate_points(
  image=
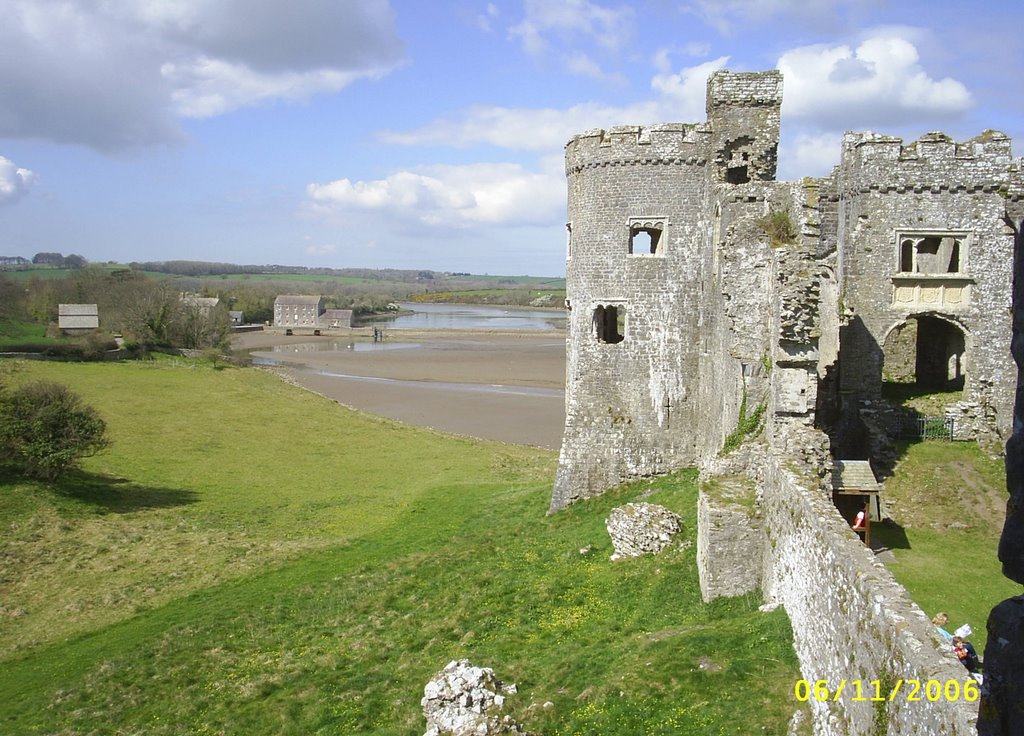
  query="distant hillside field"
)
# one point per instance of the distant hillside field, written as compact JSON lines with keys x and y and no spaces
{"x":250,"y":558}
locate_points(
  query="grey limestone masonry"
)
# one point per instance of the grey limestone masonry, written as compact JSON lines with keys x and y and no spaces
{"x":701,"y":292}
{"x":851,"y":620}
{"x":728,"y":531}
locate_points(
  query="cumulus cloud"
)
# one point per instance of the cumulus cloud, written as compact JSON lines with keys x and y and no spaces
{"x":15,"y":181}
{"x":206,"y":87}
{"x":118,"y":74}
{"x":571,"y":18}
{"x":451,"y":196}
{"x":726,"y":15}
{"x":680,"y":99}
{"x":879,"y":83}
{"x":686,"y":91}
{"x":809,"y":154}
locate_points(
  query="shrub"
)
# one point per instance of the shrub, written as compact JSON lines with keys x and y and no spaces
{"x":45,"y":429}
{"x":779,"y":228}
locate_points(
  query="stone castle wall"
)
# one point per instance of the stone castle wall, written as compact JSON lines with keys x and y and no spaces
{"x":851,"y":620}
{"x":726,"y":316}
{"x":629,"y":402}
{"x":889,"y":192}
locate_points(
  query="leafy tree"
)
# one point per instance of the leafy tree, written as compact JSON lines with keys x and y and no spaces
{"x":12,"y":298}
{"x":48,"y":259}
{"x":45,"y":429}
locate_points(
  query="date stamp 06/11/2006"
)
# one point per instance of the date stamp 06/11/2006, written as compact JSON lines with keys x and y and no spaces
{"x":879,"y":690}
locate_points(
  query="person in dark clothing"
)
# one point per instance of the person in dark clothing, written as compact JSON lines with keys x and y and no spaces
{"x":964,"y":651}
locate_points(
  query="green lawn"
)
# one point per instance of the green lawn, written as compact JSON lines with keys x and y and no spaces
{"x":14,"y":333}
{"x":949,"y":501}
{"x":249,"y":558}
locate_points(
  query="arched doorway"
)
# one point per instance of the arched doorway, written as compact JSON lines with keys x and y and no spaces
{"x":925,"y":354}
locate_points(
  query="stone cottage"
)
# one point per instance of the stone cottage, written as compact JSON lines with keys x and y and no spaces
{"x":77,"y":319}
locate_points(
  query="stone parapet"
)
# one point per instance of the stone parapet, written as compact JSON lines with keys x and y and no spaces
{"x":851,"y":620}
{"x":635,"y":145}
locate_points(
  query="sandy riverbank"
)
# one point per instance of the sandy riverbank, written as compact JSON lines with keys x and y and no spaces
{"x":506,"y":386}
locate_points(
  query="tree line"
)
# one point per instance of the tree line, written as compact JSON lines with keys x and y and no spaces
{"x":146,"y":312}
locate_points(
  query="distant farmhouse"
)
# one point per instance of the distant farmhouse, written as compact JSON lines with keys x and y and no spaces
{"x":291,"y":310}
{"x":204,"y":304}
{"x":77,"y":319}
{"x":336,"y":318}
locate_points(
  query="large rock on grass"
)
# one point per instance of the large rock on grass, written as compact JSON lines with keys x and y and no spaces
{"x":642,"y":529}
{"x":463,"y":700}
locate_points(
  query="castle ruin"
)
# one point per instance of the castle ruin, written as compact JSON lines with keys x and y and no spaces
{"x":705,"y":297}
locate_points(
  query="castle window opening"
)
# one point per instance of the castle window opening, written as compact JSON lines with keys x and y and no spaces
{"x":645,"y":237}
{"x":610,"y":323}
{"x":931,"y":254}
{"x":737,"y":175}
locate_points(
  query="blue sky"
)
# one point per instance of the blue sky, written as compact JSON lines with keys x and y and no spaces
{"x":411,"y":134}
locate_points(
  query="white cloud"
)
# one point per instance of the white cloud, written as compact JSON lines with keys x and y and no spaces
{"x":324,"y":249}
{"x":609,"y":27}
{"x":117,"y":74}
{"x":14,"y":181}
{"x":808,"y":154}
{"x":681,"y":99}
{"x":725,"y":15}
{"x":688,"y":88}
{"x":451,"y":196}
{"x":207,"y":87}
{"x":880,"y":83}
{"x":662,"y":58}
{"x":583,"y":65}
{"x":485,"y":20}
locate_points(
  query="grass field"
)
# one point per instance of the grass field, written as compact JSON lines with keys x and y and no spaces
{"x":21,"y":333}
{"x":949,"y":502}
{"x":249,"y":558}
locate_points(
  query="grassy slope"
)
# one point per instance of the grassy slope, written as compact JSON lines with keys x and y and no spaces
{"x":950,"y":500}
{"x":18,"y":333}
{"x":250,"y":558}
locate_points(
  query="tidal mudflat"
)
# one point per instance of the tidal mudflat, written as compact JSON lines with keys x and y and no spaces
{"x":506,"y":386}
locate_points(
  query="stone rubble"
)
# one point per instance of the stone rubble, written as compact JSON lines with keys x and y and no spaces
{"x":641,"y":529}
{"x":463,"y":700}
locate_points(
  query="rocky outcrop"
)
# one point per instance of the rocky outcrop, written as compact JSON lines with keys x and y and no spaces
{"x":641,"y":529}
{"x":463,"y":700}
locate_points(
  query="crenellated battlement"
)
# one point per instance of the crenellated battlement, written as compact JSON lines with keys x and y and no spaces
{"x":932,"y":162}
{"x":623,"y":145}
